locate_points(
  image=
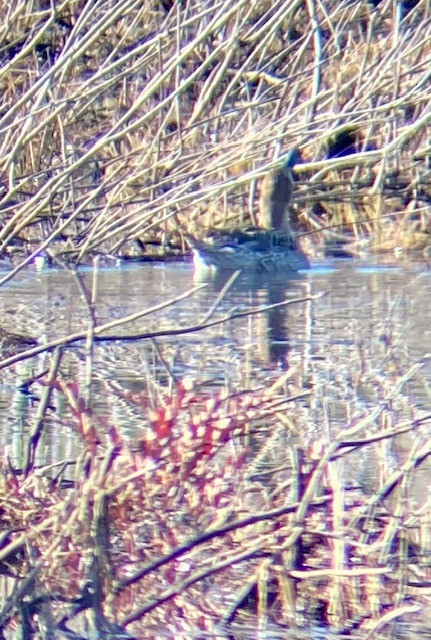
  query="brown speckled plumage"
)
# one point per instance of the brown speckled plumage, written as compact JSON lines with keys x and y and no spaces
{"x":275,"y":194}
{"x":13,"y":343}
{"x":271,"y":247}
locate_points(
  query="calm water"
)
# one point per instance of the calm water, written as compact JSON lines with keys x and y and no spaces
{"x":365,"y":327}
{"x":349,"y":337}
{"x":363,"y":330}
{"x":369,"y":321}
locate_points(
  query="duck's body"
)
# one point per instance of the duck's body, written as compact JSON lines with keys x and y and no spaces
{"x":271,"y":247}
{"x":259,"y":251}
{"x":13,"y":343}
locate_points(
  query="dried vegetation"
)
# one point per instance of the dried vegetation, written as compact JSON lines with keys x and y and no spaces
{"x":214,"y":521}
{"x":129,"y":124}
{"x":126,"y":124}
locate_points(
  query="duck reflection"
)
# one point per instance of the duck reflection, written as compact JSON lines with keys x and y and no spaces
{"x":272,"y":325}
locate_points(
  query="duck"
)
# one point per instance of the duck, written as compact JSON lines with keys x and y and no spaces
{"x":13,"y":343}
{"x":270,"y":247}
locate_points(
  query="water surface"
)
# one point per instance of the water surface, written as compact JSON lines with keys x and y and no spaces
{"x":351,"y":346}
{"x":365,"y":327}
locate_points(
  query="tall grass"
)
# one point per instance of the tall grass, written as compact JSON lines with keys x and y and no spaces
{"x":213,"y":521}
{"x":126,"y":120}
{"x":131,"y":120}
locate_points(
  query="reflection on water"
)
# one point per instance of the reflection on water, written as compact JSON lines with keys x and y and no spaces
{"x":346,"y":346}
{"x":272,"y":328}
{"x":348,"y":336}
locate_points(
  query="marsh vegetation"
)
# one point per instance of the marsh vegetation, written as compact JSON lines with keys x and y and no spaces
{"x":126,"y":126}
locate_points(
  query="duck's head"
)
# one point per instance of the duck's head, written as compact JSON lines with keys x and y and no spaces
{"x":292,"y":158}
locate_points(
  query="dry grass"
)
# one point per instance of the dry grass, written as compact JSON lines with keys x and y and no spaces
{"x":133,"y":120}
{"x":213,"y":519}
{"x":126,"y":120}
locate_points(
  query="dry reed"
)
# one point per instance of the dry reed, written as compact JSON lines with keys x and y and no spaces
{"x":138,"y":121}
{"x":213,"y":517}
{"x":134,"y":122}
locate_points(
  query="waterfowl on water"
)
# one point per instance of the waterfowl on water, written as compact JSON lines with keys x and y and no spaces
{"x":272,"y":246}
{"x":13,"y":343}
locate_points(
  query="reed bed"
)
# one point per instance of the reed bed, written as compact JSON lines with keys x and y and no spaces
{"x":127,"y":124}
{"x":228,"y":515}
{"x":214,"y":520}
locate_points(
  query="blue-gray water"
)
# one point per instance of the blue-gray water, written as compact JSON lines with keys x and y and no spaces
{"x":362,"y":331}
